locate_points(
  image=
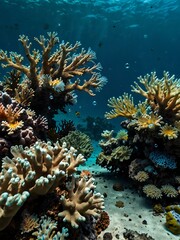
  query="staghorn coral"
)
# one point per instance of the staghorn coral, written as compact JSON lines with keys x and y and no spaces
{"x":81,"y":202}
{"x":53,"y":74}
{"x":80,"y":141}
{"x":152,"y":191}
{"x":163,"y":95}
{"x":33,"y":171}
{"x":122,"y":107}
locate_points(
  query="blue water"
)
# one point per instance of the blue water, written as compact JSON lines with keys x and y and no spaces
{"x":130,"y":38}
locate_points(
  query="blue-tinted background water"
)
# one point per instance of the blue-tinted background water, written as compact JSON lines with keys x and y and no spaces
{"x":130,"y":38}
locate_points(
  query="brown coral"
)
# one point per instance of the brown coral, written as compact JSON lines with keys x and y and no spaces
{"x":102,"y":223}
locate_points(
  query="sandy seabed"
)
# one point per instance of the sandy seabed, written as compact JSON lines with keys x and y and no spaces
{"x":137,"y":212}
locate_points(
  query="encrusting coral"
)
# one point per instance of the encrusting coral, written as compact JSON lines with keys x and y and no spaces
{"x":51,"y":77}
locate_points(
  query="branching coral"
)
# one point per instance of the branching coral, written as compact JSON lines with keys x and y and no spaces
{"x":153,"y":134}
{"x":163,"y":95}
{"x":122,"y":107}
{"x":48,"y":230}
{"x":53,"y":76}
{"x":113,"y":159}
{"x":82,"y":201}
{"x":33,"y":171}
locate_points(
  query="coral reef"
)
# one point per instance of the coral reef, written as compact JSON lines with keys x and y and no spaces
{"x":42,"y":195}
{"x":52,"y":75}
{"x":151,"y":137}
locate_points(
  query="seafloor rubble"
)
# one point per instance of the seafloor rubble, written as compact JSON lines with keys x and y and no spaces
{"x":42,"y":195}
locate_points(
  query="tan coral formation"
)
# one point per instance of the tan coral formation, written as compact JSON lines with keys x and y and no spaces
{"x":163,"y":95}
{"x":81,"y":201}
{"x":33,"y":171}
{"x":57,"y":68}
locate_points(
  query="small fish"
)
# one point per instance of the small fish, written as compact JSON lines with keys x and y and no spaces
{"x":78,"y":114}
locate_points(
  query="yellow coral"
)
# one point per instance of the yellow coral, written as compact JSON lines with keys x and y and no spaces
{"x":11,"y":127}
{"x":122,"y":135}
{"x":163,"y":95}
{"x":168,"y":131}
{"x":10,"y":118}
{"x":122,"y":107}
{"x":146,"y":121}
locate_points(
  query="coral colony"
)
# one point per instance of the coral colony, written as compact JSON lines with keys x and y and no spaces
{"x":33,"y":166}
{"x":42,"y":193}
{"x":147,"y":148}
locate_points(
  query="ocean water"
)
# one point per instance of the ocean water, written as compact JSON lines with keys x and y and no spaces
{"x":130,"y":38}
